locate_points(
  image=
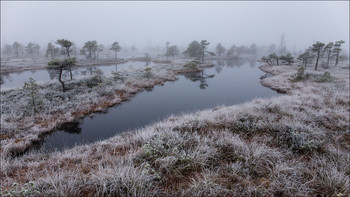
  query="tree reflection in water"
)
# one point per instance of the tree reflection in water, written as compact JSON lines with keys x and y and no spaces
{"x":71,"y":127}
{"x":219,"y":65}
{"x":201,"y":77}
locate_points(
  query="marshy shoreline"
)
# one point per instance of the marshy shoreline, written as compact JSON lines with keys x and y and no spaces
{"x":84,"y":97}
{"x":295,"y":144}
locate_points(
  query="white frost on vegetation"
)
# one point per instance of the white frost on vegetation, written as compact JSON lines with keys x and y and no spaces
{"x":292,"y":145}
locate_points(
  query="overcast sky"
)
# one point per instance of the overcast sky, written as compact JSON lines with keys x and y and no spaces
{"x":154,"y":22}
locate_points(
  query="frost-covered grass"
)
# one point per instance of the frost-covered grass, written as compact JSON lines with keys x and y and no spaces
{"x":21,"y":127}
{"x":292,"y":145}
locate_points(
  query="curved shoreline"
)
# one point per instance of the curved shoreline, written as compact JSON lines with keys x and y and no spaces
{"x":19,"y":146}
{"x":296,"y":144}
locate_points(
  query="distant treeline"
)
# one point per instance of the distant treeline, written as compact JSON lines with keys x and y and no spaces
{"x":313,"y":54}
{"x":92,"y":50}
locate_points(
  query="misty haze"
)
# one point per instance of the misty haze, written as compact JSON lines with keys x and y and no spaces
{"x":157,"y":98}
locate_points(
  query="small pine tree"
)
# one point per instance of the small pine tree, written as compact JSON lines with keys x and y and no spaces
{"x":273,"y":57}
{"x":317,"y":48}
{"x":337,"y":50}
{"x":116,"y":48}
{"x":300,"y":75}
{"x":32,"y":90}
{"x":287,"y":58}
{"x":305,"y":57}
{"x":148,"y":72}
{"x":267,"y":60}
{"x":61,"y":65}
{"x":328,"y":50}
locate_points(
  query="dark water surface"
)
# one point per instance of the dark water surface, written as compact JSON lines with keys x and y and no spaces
{"x":227,"y":83}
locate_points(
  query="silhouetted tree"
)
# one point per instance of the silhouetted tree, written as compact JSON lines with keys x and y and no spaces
{"x":29,"y":49}
{"x":66,"y":44}
{"x":267,"y":60}
{"x":305,"y":57}
{"x":16,"y":47}
{"x":172,"y":51}
{"x":36,"y":49}
{"x":204,"y":46}
{"x":337,"y":50}
{"x":50,"y":50}
{"x":312,"y":55}
{"x":317,"y":48}
{"x":220,"y":49}
{"x":116,"y":48}
{"x":241,"y":50}
{"x":61,"y":65}
{"x":90,"y":47}
{"x":193,"y":49}
{"x":167,"y":45}
{"x":287,"y":58}
{"x":328,"y":50}
{"x":273,"y":57}
{"x":231,"y":51}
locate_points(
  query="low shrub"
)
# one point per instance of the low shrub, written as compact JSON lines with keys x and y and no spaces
{"x":300,"y":76}
{"x":191,"y":65}
{"x":326,"y":77}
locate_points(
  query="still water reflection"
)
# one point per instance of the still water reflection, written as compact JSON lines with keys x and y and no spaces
{"x":227,"y":83}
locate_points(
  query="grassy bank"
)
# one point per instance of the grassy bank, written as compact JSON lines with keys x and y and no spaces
{"x":21,"y":126}
{"x":293,"y":145}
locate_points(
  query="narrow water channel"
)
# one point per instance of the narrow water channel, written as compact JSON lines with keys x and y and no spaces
{"x":227,"y":83}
